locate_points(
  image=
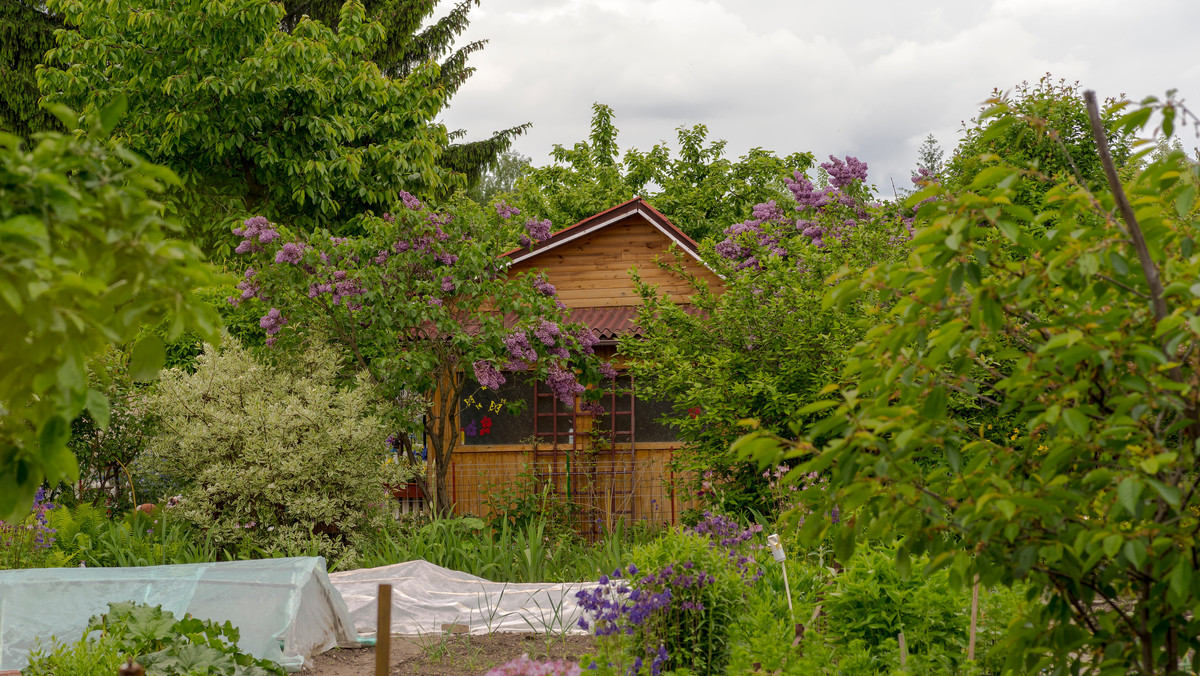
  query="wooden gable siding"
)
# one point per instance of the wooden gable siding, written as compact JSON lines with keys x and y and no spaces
{"x":593,"y":271}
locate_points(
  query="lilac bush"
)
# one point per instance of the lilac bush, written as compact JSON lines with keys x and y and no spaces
{"x":424,"y":306}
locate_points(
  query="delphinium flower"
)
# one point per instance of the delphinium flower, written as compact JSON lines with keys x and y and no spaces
{"x":487,"y":375}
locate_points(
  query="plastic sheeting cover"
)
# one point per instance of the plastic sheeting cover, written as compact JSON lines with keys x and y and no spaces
{"x":285,"y":609}
{"x":425,"y":596}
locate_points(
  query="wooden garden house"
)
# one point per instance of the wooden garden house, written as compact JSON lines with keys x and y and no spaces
{"x":609,"y":466}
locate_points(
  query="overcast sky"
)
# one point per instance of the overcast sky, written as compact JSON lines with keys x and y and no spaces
{"x":869,"y":78}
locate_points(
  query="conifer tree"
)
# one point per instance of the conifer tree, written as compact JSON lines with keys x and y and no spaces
{"x":26,"y":34}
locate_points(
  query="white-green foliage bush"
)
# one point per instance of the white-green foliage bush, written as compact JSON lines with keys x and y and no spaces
{"x":274,"y":459}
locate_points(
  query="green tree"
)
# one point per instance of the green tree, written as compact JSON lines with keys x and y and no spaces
{"x":421,"y":302}
{"x":1045,"y":129}
{"x":700,"y":190}
{"x":929,"y":159}
{"x":26,"y":34}
{"x":295,"y":125}
{"x":500,"y":178}
{"x":86,"y":260}
{"x":764,"y":345}
{"x":1092,"y":494}
{"x":407,"y":45}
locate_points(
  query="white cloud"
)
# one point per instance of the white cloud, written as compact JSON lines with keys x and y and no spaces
{"x":869,"y":78}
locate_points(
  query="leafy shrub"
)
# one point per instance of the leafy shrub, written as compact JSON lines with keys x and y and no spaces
{"x":101,"y":656}
{"x":85,"y":535}
{"x":274,"y":459}
{"x":871,"y":601}
{"x":164,"y":645}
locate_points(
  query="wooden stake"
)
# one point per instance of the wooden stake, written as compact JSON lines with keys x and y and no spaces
{"x":383,"y":630}
{"x":974,"y":620}
{"x":903,"y":651}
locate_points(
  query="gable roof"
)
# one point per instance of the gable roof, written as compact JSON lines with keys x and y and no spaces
{"x":604,"y":219}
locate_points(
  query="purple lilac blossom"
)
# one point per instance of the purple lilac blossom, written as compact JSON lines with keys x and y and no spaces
{"x":291,"y":252}
{"x":538,"y":230}
{"x":607,"y":370}
{"x":411,"y":203}
{"x":273,"y":322}
{"x":448,"y":284}
{"x":487,"y":375}
{"x":542,"y":286}
{"x":842,"y":174}
{"x":523,"y":666}
{"x":519,"y":348}
{"x":547,"y":332}
{"x":563,"y":384}
{"x":506,"y":211}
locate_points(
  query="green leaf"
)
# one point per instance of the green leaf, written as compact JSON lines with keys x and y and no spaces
{"x":1181,"y":578}
{"x":1076,"y":421}
{"x":147,"y":358}
{"x":935,"y":404}
{"x":1128,"y":492}
{"x":112,"y":113}
{"x":846,"y":542}
{"x":1184,"y":201}
{"x":98,"y":408}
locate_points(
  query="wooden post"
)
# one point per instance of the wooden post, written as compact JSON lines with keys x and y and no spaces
{"x":903,"y":650}
{"x":383,"y":630}
{"x":974,"y":618}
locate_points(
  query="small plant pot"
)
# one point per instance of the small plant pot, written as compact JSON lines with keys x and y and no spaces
{"x":408,"y":491}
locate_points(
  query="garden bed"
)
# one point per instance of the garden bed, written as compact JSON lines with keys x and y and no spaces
{"x":447,"y":655}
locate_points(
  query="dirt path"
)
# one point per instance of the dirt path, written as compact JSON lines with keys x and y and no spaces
{"x":446,"y":655}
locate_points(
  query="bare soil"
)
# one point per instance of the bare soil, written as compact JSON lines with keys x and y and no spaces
{"x":450,"y":655}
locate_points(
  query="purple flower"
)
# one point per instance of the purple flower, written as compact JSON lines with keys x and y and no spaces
{"x":607,"y":370}
{"x":542,"y":286}
{"x":538,"y":230}
{"x":487,"y":375}
{"x":448,"y":284}
{"x":519,"y":348}
{"x":843,"y":174}
{"x":411,"y":203}
{"x":547,"y":332}
{"x":563,"y":384}
{"x":273,"y":322}
{"x":447,"y":258}
{"x":292,"y":252}
{"x":505,"y":211}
